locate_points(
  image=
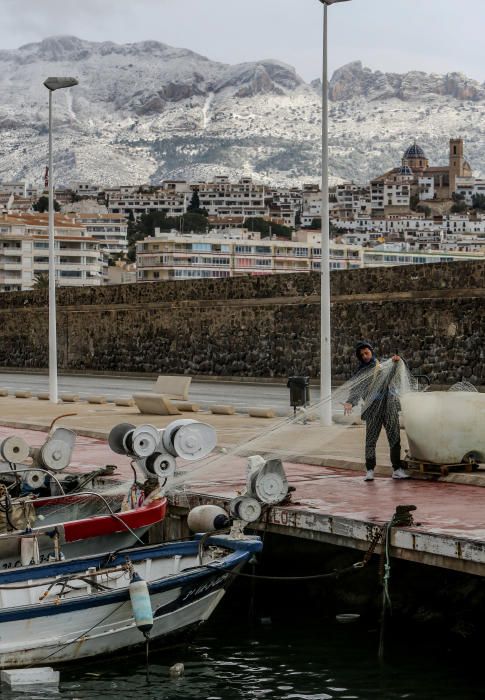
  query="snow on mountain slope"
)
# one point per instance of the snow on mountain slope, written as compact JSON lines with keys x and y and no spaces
{"x":147,"y":111}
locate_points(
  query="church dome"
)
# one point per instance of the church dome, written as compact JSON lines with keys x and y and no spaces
{"x":405,"y":170}
{"x":414,"y":151}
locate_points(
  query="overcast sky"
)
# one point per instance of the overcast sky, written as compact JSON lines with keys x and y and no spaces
{"x":389,"y":35}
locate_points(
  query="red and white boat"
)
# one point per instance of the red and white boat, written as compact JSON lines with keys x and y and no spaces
{"x":73,"y":525}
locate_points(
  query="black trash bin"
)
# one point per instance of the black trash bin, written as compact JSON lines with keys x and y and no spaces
{"x":299,"y":391}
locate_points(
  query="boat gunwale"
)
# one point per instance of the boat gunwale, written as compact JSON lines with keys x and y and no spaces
{"x":230,"y":561}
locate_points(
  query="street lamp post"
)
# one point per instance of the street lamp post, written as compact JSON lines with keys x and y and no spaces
{"x":325,"y":344}
{"x":53,"y":84}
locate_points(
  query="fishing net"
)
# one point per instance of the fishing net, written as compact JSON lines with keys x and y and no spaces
{"x":373,"y":395}
{"x":463,"y":386}
{"x":100,"y":500}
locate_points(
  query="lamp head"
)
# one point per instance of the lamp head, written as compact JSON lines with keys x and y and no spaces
{"x":331,"y":2}
{"x":58,"y":83}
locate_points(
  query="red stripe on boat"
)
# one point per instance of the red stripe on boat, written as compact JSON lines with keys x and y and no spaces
{"x":107,"y":524}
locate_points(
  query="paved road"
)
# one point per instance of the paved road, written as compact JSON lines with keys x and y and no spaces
{"x":205,"y":393}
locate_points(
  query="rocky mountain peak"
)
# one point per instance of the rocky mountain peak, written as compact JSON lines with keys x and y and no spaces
{"x":165,"y":112}
{"x":354,"y":80}
{"x":58,"y":48}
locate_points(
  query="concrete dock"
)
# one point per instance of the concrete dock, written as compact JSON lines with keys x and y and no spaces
{"x":331,"y":502}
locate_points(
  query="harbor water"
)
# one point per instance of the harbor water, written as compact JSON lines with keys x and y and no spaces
{"x":296,"y":660}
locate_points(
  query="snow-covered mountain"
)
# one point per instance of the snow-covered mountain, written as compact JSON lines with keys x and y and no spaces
{"x":147,"y":111}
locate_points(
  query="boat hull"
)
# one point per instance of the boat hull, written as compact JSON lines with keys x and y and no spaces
{"x":89,"y":623}
{"x":89,"y":535}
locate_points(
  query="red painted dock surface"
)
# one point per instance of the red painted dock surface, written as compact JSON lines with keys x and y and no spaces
{"x":88,"y":453}
{"x":453,"y":511}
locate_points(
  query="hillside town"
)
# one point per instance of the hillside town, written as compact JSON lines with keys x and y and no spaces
{"x":414,"y":213}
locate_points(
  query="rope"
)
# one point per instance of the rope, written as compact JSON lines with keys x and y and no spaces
{"x":111,"y":512}
{"x":73,"y":641}
{"x":65,"y":579}
{"x":333,"y":574}
{"x":311,"y":577}
{"x":402,"y":517}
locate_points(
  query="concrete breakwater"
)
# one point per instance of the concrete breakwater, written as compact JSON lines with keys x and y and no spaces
{"x":265,"y":326}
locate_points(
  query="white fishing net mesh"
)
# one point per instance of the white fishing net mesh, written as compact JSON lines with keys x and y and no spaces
{"x":93,"y":501}
{"x":463,"y":386}
{"x":373,"y":393}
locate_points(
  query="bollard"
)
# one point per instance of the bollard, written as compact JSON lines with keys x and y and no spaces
{"x":261,"y":412}
{"x":96,"y":399}
{"x":223,"y":410}
{"x":124,"y":401}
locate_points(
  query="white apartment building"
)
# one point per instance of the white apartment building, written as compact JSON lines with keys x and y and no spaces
{"x":426,"y":189}
{"x":141,"y":201}
{"x":18,"y":189}
{"x":389,"y":258}
{"x":468,"y":187}
{"x":389,"y":193}
{"x":351,"y":199}
{"x":284,"y":205}
{"x":86,"y":189}
{"x":171,"y":256}
{"x":224,"y":198}
{"x":385,"y":226}
{"x":461,"y":223}
{"x":110,"y":230}
{"x":174,"y":256}
{"x":311,"y":204}
{"x":24,"y":252}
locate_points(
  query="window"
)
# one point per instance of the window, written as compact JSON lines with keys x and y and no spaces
{"x":202,"y":247}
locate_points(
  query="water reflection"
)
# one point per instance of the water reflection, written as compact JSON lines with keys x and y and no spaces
{"x":230,"y":662}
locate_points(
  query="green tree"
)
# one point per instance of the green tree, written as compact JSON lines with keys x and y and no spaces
{"x":41,"y":280}
{"x":414,"y":202}
{"x":194,"y":206}
{"x":267,"y":228}
{"x":147,"y":223}
{"x":424,"y":209}
{"x":459,"y":208}
{"x":194,"y":202}
{"x":478,"y":201}
{"x":190,"y":222}
{"x":42,"y":205}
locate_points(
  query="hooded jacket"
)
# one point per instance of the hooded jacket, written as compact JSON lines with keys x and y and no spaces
{"x":368,"y":388}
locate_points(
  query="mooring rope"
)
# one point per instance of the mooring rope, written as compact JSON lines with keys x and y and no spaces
{"x":402,"y":516}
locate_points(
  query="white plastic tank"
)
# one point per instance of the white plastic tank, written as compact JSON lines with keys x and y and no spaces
{"x":444,"y":427}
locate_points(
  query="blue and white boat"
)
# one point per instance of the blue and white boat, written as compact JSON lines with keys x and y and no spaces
{"x":88,"y":607}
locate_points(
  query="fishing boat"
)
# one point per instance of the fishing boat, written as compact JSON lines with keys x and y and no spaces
{"x":71,"y":610}
{"x":73,"y":525}
{"x":45,"y":514}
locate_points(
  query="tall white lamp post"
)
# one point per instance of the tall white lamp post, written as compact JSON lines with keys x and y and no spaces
{"x":325,"y":344}
{"x":53,"y":84}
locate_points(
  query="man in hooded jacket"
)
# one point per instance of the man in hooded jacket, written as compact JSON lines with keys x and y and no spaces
{"x":381,"y":409}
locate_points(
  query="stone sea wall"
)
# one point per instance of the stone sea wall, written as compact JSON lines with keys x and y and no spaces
{"x":269,"y":326}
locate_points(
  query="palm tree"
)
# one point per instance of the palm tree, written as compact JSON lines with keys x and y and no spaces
{"x":41,"y":280}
